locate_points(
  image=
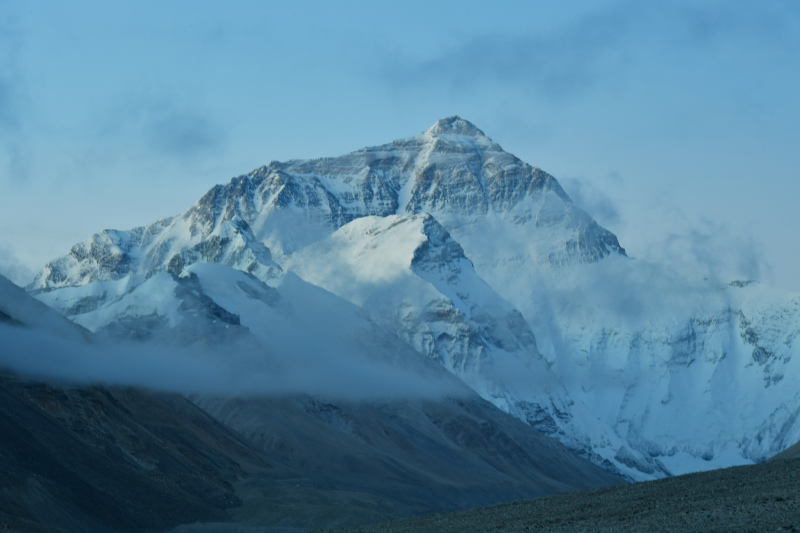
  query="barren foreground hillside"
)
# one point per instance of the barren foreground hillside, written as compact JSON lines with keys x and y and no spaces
{"x":757,"y":498}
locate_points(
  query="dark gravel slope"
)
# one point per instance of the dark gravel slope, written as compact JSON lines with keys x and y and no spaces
{"x":352,"y":463}
{"x":112,"y":459}
{"x":757,"y":498}
{"x":792,"y":452}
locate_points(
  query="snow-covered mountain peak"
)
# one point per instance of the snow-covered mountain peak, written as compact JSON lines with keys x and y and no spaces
{"x":481,"y":262}
{"x":454,"y":135}
{"x":452,"y":171}
{"x":455,"y":125}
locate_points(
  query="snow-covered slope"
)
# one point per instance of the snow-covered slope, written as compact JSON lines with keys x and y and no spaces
{"x":413,"y":278}
{"x":169,"y":244}
{"x":482,"y":263}
{"x":17,"y":308}
{"x":293,"y":338}
{"x":409,"y":274}
{"x":696,"y":373}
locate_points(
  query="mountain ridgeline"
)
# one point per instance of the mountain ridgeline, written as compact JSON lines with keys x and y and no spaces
{"x":452,"y":170}
{"x":444,"y":249}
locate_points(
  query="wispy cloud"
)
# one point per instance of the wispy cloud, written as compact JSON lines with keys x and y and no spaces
{"x":714,"y":250}
{"x":12,"y":148}
{"x":566,"y":61}
{"x":593,"y":200}
{"x":165,"y":126}
{"x":555,"y":65}
{"x":305,"y":341}
{"x":238,"y":370}
{"x":9,"y":76}
{"x":182,"y":132}
{"x":699,"y":25}
{"x":12,"y":268}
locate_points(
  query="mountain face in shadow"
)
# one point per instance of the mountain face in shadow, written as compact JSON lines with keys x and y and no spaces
{"x":97,"y":459}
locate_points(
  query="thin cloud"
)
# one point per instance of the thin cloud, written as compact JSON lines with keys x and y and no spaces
{"x":593,"y":200}
{"x":183,"y":132}
{"x":164,"y":126}
{"x":9,"y":75}
{"x":702,"y":25}
{"x":239,"y":371}
{"x":13,"y":152}
{"x":555,"y":65}
{"x":707,"y":248}
{"x":601,"y":46}
{"x":12,"y":268}
{"x":716,"y":251}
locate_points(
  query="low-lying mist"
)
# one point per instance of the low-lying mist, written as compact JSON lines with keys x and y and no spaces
{"x":239,"y":369}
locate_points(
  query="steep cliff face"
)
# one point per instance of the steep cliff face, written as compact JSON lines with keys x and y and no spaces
{"x":481,"y":263}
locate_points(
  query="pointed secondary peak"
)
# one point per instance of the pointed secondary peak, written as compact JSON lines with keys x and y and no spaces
{"x":455,"y":125}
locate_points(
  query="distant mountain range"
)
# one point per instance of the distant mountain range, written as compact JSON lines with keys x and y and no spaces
{"x":443,"y":248}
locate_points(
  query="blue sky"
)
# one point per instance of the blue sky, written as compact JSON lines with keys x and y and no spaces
{"x":675,"y":124}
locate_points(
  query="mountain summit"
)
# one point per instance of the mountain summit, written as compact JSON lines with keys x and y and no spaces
{"x":455,"y":125}
{"x":288,"y":205}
